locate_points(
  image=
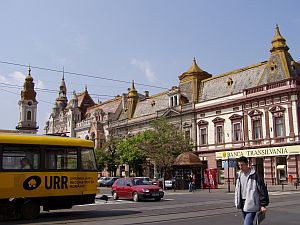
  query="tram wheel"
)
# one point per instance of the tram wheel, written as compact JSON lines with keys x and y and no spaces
{"x":30,"y":209}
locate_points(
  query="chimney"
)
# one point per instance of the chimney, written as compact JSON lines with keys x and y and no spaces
{"x":147,"y":94}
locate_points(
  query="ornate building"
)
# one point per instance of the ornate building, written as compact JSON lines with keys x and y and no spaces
{"x":252,"y":111}
{"x":28,"y":107}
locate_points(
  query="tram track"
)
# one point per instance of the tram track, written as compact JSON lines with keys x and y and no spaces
{"x":148,"y":214}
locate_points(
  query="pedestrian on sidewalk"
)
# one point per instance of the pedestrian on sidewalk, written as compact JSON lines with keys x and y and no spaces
{"x":190,"y":182}
{"x":251,"y":194}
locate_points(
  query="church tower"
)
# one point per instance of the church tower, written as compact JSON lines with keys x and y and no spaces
{"x":28,"y":107}
{"x":62,"y":99}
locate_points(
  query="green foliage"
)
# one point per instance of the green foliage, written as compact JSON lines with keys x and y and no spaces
{"x":108,"y":156}
{"x":167,"y":143}
{"x":130,"y":152}
{"x":161,"y":144}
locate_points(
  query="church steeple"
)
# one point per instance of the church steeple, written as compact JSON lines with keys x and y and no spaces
{"x":28,"y":106}
{"x":278,"y":42}
{"x":62,"y":99}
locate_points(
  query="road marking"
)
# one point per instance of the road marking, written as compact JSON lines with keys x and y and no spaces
{"x":283,"y":193}
{"x":113,"y":202}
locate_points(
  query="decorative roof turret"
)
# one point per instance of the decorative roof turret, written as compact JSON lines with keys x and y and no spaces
{"x":132,"y":101}
{"x":281,"y":64}
{"x":194,"y":68}
{"x":132,"y":93}
{"x":189,"y":82}
{"x":278,"y":42}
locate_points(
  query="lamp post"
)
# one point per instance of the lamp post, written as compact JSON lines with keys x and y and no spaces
{"x":228,"y":182}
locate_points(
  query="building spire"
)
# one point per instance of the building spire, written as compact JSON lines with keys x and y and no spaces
{"x":278,"y":42}
{"x":194,"y":68}
{"x":28,"y":77}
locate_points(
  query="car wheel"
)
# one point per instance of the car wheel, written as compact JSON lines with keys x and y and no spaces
{"x":135,"y":197}
{"x":115,"y":196}
{"x":157,"y":199}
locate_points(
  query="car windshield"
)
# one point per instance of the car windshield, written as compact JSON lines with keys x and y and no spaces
{"x":140,"y":182}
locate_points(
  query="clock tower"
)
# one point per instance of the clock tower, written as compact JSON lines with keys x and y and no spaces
{"x":28,"y":107}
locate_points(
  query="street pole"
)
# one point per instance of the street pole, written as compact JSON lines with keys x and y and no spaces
{"x":228,"y":182}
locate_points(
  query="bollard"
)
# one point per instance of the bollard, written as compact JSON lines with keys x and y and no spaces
{"x":282,"y":186}
{"x":267,"y":185}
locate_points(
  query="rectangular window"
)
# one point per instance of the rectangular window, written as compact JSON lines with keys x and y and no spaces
{"x":20,"y":158}
{"x":187,"y":134}
{"x":61,"y":158}
{"x":88,"y":161}
{"x":236,"y":131}
{"x":279,"y":127}
{"x":203,"y":136}
{"x":220,"y":134}
{"x":257,"y":129}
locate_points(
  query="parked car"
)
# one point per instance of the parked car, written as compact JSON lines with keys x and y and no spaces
{"x":136,"y":189}
{"x":109,"y":181}
{"x":100,"y":179}
{"x":170,"y":184}
{"x":158,"y":182}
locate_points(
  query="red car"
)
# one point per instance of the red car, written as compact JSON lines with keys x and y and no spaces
{"x":136,"y":189}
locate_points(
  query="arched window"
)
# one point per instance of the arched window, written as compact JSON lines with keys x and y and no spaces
{"x":28,"y":116}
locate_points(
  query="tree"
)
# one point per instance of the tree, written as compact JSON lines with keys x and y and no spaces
{"x":164,"y":143}
{"x":108,"y":156}
{"x":130,"y":152}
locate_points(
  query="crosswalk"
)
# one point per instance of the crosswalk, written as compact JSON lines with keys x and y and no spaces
{"x":275,"y":193}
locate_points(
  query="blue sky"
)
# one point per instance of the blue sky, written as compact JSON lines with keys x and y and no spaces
{"x":151,"y":42}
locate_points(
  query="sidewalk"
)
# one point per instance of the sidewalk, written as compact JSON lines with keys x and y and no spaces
{"x":231,"y":189}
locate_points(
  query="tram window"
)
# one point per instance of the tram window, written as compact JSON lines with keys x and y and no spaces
{"x":61,"y":158}
{"x":19,"y":157}
{"x":88,"y":159}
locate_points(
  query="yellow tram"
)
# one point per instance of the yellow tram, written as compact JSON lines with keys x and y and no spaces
{"x":48,"y":171}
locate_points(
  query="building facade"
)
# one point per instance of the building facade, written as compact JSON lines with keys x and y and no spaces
{"x":252,"y":111}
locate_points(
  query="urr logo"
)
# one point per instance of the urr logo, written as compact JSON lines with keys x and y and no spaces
{"x":32,"y":183}
{"x":56,"y":182}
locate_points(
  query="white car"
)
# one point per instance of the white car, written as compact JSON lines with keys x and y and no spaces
{"x":101,"y":179}
{"x":169,"y":184}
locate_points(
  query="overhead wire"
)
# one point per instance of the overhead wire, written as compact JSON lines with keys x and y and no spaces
{"x":80,"y":74}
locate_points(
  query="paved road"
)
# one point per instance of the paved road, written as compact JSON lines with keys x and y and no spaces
{"x":200,"y":207}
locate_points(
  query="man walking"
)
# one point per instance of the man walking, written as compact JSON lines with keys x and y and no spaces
{"x":251,"y":194}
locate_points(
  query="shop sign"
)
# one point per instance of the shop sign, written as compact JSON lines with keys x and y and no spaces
{"x":232,"y":163}
{"x":259,"y":152}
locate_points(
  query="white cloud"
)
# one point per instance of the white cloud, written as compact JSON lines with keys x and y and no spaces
{"x":3,"y":79}
{"x":145,"y":67}
{"x":18,"y":78}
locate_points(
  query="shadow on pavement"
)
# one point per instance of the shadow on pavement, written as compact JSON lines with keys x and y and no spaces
{"x":70,"y":216}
